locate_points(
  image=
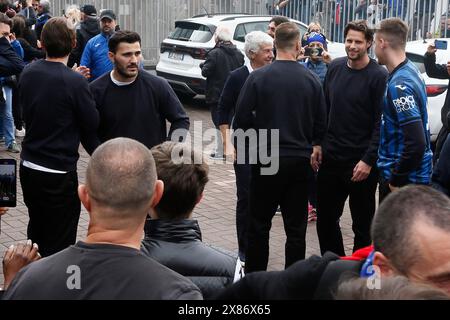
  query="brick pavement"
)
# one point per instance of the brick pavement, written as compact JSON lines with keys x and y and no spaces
{"x":216,"y":212}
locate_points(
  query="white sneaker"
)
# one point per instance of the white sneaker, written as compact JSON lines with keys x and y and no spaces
{"x":20,"y":133}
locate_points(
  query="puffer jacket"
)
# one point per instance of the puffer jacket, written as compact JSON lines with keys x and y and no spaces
{"x":220,"y":61}
{"x":177,"y":245}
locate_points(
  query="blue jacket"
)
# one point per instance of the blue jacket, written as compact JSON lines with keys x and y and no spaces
{"x":320,"y":69}
{"x":95,"y":56}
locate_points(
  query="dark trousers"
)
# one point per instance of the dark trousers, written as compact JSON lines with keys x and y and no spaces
{"x":334,"y":187}
{"x":213,"y":107}
{"x":243,"y":173}
{"x":289,"y":189}
{"x":53,"y":207}
{"x":17,"y":109}
{"x":384,"y":189}
{"x":312,"y":188}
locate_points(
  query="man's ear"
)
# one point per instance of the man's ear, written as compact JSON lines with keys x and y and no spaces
{"x":157,"y":193}
{"x":200,"y":197}
{"x":84,"y":197}
{"x":383,"y":264}
{"x":111,"y":56}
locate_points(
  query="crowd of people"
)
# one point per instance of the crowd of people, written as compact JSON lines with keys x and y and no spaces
{"x":343,"y":126}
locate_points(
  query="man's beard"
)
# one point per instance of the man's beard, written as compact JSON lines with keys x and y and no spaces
{"x":123,"y":71}
{"x":108,"y":33}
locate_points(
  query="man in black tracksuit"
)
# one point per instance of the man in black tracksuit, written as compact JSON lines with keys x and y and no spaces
{"x":58,"y":114}
{"x":354,"y":89}
{"x":297,"y":114}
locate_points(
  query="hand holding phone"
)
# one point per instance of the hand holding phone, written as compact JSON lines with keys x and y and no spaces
{"x":440,"y":44}
{"x":313,"y":52}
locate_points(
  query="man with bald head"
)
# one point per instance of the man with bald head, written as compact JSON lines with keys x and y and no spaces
{"x":121,"y":188}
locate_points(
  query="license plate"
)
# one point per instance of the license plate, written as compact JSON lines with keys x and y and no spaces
{"x":176,"y":56}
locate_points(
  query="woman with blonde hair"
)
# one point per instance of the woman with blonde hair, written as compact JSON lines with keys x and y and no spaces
{"x":73,"y":14}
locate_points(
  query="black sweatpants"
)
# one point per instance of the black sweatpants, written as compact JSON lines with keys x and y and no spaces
{"x":334,"y":187}
{"x":53,"y":207}
{"x":289,"y":189}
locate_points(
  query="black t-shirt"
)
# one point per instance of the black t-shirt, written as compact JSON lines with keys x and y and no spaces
{"x":100,"y":272}
{"x":354,"y":100}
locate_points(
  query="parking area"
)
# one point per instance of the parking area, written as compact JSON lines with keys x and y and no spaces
{"x":216,"y":212}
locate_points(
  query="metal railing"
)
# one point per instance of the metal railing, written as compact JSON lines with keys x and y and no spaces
{"x":155,"y":19}
{"x":426,"y":18}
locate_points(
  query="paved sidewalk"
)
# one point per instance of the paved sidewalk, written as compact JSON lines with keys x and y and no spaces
{"x":215,"y":213}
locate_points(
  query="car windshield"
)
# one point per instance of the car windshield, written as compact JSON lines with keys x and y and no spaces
{"x":194,"y":32}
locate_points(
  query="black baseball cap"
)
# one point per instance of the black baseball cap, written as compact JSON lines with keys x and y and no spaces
{"x":107,"y":13}
{"x":89,"y":10}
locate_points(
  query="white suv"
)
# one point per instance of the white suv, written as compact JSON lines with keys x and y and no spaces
{"x":186,"y":47}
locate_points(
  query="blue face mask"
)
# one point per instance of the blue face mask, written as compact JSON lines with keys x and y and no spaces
{"x":366,"y":270}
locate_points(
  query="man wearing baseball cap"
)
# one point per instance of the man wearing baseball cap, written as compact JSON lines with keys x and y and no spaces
{"x":89,"y":28}
{"x":95,"y":55}
{"x":88,"y":10}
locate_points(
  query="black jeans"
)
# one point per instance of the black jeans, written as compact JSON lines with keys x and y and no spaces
{"x":289,"y":189}
{"x":53,"y":207}
{"x":243,"y":174}
{"x":334,"y":187}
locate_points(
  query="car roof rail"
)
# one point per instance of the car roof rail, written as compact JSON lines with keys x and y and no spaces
{"x":221,"y":14}
{"x":245,"y":16}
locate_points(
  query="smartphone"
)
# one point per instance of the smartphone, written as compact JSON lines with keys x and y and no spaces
{"x":8,"y":183}
{"x":313,"y":52}
{"x":440,"y":44}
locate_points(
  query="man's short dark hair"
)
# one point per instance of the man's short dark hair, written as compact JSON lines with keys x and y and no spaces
{"x":278,"y":20}
{"x":360,"y":26}
{"x":397,"y":214}
{"x":58,"y":38}
{"x":286,"y":35}
{"x":121,"y":175}
{"x":395,"y":31}
{"x":122,"y":36}
{"x":184,"y":181}
{"x":4,"y":19}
